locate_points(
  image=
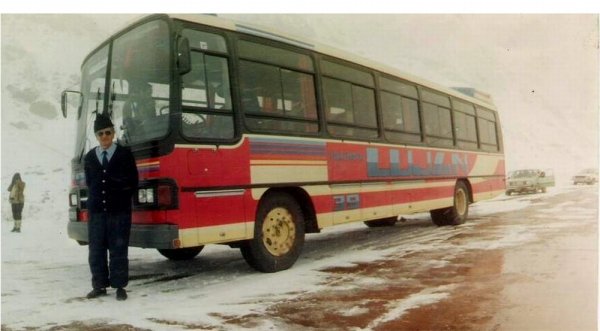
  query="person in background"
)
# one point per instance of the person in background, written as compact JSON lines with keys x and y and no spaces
{"x":17,"y":200}
{"x":111,"y":176}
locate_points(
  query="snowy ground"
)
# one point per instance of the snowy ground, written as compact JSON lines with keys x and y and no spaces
{"x":349,"y":277}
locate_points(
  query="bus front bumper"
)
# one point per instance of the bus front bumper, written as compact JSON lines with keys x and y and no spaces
{"x":161,"y":236}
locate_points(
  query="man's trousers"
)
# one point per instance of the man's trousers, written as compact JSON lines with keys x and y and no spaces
{"x":109,"y":233}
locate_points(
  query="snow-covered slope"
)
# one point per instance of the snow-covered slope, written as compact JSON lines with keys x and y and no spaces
{"x":41,"y":56}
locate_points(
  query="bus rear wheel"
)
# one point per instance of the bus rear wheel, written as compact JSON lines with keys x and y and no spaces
{"x":457,"y":214}
{"x":181,"y":254}
{"x":278,"y":234}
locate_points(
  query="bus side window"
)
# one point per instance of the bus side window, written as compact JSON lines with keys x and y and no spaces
{"x":486,"y":122}
{"x":438,"y":126}
{"x":250,"y":100}
{"x":194,"y":83}
{"x":464,"y":124}
{"x":338,"y":103}
{"x":350,"y":101}
{"x":207,"y":98}
{"x":277,"y":99}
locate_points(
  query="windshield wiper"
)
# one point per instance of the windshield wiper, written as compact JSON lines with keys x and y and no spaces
{"x":97,"y":101}
{"x":113,"y":97}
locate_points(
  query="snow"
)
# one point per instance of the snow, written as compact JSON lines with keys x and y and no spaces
{"x":45,"y":275}
{"x":399,"y":307}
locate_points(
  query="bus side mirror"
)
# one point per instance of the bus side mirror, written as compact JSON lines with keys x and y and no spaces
{"x":63,"y":103}
{"x":184,"y":63}
{"x":66,"y":102}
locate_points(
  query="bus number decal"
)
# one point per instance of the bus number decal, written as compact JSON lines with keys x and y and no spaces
{"x":346,"y":202}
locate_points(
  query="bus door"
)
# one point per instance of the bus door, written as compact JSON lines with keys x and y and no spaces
{"x":207,"y":123}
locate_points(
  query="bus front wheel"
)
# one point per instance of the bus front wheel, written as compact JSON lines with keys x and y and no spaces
{"x":457,"y":214}
{"x":181,"y":254}
{"x":278,"y":234}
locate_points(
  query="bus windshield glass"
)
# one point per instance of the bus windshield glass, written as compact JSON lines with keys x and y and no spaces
{"x":93,"y":84}
{"x":138,"y":91}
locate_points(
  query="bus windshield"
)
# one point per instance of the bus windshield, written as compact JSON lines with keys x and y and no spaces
{"x":138,"y":90}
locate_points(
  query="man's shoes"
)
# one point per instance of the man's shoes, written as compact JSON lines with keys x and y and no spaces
{"x":121,"y":294}
{"x":97,"y":292}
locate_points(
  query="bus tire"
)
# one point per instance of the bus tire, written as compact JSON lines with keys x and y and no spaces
{"x":457,"y":214}
{"x":390,"y":221}
{"x":278,"y":234}
{"x":181,"y":254}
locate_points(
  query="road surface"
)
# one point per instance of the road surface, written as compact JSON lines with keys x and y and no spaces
{"x":526,"y":262}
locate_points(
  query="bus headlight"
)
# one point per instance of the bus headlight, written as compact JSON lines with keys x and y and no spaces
{"x":73,"y":199}
{"x":157,"y":194}
{"x":146,"y":195}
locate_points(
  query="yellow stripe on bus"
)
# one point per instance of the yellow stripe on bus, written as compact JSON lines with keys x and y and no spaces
{"x":297,"y":173}
{"x":215,"y":234}
{"x":287,"y":162}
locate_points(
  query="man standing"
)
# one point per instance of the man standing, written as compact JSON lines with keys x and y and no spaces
{"x":112,"y":178}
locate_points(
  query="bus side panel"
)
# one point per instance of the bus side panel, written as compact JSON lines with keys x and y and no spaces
{"x":487,"y":188}
{"x":370,"y":181}
{"x":209,"y":167}
{"x":488,"y":179}
{"x":358,"y":162}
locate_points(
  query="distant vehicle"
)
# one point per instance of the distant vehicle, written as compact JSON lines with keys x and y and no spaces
{"x":529,"y":181}
{"x":587,"y":176}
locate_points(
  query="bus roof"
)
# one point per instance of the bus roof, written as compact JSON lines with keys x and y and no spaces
{"x":252,"y":29}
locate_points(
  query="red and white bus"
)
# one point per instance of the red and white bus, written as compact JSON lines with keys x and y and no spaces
{"x":253,"y":139}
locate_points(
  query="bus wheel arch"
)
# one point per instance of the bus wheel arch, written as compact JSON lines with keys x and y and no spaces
{"x":279,"y":230}
{"x":304,"y":202}
{"x":456,"y":214}
{"x":382,"y":222}
{"x":469,"y":188}
{"x":181,"y":254}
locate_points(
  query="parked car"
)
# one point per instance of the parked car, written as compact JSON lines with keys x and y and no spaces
{"x":587,"y":176}
{"x":529,"y":181}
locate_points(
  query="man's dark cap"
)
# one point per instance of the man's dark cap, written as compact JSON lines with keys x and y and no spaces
{"x":102,"y":122}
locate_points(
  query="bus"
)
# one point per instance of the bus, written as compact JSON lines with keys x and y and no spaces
{"x":253,"y":139}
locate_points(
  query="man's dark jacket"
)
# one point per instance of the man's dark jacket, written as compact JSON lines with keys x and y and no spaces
{"x":111,"y":189}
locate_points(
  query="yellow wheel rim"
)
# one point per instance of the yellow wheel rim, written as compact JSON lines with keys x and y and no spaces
{"x":278,"y":231}
{"x":460,"y":200}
